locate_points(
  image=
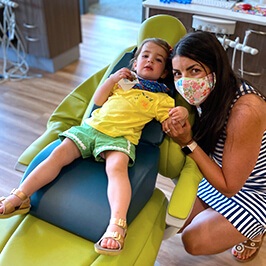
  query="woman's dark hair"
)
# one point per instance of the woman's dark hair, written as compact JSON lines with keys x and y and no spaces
{"x":204,"y":48}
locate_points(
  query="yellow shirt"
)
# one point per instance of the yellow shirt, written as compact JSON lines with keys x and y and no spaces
{"x":125,"y":113}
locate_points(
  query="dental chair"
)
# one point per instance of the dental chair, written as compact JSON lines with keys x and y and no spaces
{"x":69,"y":215}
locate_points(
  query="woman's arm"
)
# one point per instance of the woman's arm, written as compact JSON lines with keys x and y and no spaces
{"x":103,"y":92}
{"x":245,"y":129}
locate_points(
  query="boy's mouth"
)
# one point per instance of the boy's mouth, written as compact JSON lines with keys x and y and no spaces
{"x":148,"y":68}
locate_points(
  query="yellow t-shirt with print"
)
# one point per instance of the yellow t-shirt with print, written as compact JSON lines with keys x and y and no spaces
{"x":125,"y":113}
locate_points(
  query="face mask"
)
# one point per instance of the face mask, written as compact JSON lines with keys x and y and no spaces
{"x":195,"y":90}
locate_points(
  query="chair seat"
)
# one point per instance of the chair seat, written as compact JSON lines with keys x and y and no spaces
{"x":34,"y":242}
{"x":80,"y":190}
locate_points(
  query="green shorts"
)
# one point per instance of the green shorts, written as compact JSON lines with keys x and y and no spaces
{"x":92,"y":142}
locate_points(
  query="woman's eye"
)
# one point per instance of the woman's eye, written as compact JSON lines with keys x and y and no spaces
{"x":176,"y":74}
{"x":196,"y":71}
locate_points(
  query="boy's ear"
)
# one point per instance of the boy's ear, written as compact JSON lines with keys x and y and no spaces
{"x":134,"y":65}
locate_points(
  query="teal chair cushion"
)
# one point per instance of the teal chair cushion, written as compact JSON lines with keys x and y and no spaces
{"x":77,"y":199}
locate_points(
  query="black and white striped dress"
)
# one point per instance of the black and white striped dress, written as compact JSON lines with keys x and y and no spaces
{"x":247,"y":209}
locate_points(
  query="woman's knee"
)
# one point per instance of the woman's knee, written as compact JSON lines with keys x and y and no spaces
{"x":191,"y":242}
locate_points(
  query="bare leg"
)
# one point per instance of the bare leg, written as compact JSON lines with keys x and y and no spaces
{"x":210,"y":233}
{"x":47,"y":170}
{"x":207,"y":232}
{"x":119,"y":192}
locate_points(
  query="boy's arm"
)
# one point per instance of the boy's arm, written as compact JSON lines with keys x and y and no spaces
{"x":179,"y":114}
{"x":103,"y":92}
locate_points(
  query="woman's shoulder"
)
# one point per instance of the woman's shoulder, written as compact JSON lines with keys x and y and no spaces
{"x":251,"y":107}
{"x":247,"y":89}
{"x":249,"y":97}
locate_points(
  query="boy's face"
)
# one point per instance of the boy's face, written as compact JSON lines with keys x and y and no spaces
{"x":150,"y":63}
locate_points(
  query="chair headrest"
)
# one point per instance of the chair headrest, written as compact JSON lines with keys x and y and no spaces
{"x":162,"y":26}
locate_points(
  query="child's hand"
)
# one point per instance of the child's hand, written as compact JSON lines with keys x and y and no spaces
{"x":179,"y":114}
{"x":129,"y":79}
{"x":177,"y":126}
{"x":123,"y":73}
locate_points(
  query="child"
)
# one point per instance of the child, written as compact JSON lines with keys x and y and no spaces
{"x":110,"y":135}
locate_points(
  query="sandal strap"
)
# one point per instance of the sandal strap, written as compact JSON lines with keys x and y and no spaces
{"x":249,"y":244}
{"x":115,"y":236}
{"x":119,"y":222}
{"x":20,"y":194}
{"x":7,"y":205}
{"x":252,"y":244}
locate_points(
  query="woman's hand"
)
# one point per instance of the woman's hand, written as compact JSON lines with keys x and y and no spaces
{"x":179,"y":132}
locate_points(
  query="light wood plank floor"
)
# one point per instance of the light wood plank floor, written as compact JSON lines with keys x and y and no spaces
{"x":25,"y":106}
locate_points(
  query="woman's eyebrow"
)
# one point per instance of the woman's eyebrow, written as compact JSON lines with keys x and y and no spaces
{"x":188,"y":68}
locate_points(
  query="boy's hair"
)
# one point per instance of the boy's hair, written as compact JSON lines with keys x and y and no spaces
{"x":160,"y":42}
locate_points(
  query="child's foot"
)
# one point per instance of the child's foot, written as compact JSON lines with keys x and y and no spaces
{"x":112,"y":241}
{"x":16,"y":203}
{"x":109,"y":242}
{"x":247,"y":250}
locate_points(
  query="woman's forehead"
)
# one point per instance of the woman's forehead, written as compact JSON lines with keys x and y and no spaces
{"x":183,"y":62}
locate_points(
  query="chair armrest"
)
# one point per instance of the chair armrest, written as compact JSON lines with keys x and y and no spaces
{"x":172,"y":159}
{"x":184,"y":194}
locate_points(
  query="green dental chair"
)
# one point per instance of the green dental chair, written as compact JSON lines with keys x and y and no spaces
{"x":70,"y":214}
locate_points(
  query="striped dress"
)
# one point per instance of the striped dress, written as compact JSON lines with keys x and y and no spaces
{"x":246,"y":210}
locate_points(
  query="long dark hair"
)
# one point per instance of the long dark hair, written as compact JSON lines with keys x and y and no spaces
{"x":204,"y":48}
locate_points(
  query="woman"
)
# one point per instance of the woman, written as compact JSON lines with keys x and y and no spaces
{"x":228,"y":143}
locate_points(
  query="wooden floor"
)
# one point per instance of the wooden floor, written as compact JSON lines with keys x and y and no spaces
{"x":25,"y":106}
